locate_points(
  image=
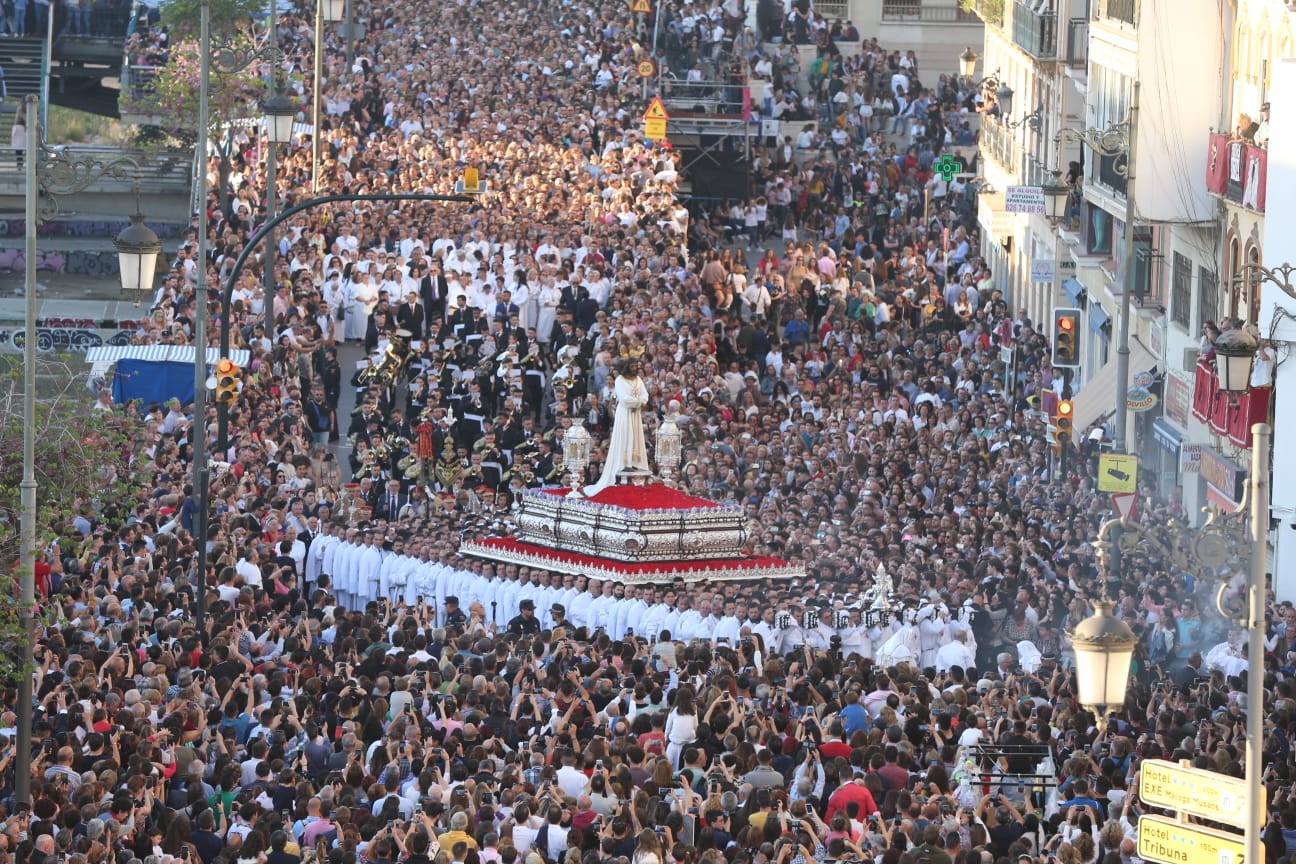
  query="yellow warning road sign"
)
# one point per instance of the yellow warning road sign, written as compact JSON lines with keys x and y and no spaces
{"x":655,"y":120}
{"x":642,"y":7}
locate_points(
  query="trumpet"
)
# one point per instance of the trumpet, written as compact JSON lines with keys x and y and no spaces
{"x":397,"y":442}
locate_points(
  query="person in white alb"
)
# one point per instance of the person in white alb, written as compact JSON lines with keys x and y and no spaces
{"x":681,"y":725}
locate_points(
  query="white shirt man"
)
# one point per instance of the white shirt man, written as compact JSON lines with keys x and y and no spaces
{"x":248,"y":569}
{"x":955,"y":653}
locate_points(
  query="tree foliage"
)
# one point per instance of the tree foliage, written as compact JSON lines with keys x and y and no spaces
{"x":81,"y":455}
{"x":172,"y":96}
{"x":181,"y":17}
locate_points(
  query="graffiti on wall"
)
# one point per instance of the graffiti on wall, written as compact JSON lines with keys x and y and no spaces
{"x":69,"y":335}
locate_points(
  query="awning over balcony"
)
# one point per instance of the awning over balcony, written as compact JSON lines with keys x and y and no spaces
{"x":1074,"y":288}
{"x":1097,"y":397}
{"x":1098,"y":318}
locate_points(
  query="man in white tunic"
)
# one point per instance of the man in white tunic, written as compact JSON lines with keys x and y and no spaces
{"x":369,"y":571}
{"x":578,"y":609}
{"x":601,"y":609}
{"x":855,"y":637}
{"x":932,"y":633}
{"x":689,"y":625}
{"x":344,"y":560}
{"x":727,"y":628}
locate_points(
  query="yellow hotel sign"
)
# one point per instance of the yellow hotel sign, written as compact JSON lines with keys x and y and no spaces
{"x":1191,"y":790}
{"x":1163,"y":840}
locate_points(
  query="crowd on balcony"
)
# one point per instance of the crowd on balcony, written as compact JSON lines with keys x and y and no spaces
{"x":1255,"y":132}
{"x":846,"y":389}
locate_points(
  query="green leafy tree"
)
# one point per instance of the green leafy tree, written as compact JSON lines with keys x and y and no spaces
{"x":82,"y":456}
{"x":989,"y":11}
{"x":181,"y":17}
{"x":172,"y":96}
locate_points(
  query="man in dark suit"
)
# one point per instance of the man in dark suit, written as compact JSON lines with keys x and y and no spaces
{"x":409,"y":315}
{"x":1190,"y":673}
{"x":432,"y":287}
{"x":390,"y":502}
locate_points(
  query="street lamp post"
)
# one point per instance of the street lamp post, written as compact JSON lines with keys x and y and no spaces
{"x":1217,"y":551}
{"x":967,"y":63}
{"x":228,"y":61}
{"x":280,"y":112}
{"x":50,"y":173}
{"x":332,"y":12}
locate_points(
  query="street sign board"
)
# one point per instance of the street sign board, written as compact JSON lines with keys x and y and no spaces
{"x":646,"y":68}
{"x":1163,"y":840}
{"x":1024,"y":199}
{"x":1194,"y":791}
{"x":1117,"y":472}
{"x":640,"y":7}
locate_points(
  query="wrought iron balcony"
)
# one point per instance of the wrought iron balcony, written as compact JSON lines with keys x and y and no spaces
{"x":1124,"y":11}
{"x":1077,"y":42}
{"x":1035,"y":32}
{"x":999,"y":144}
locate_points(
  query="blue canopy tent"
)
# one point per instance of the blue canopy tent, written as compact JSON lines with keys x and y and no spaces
{"x":151,"y":373}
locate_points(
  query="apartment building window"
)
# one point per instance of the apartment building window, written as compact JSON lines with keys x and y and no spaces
{"x":1181,"y":291}
{"x":1207,"y":295}
{"x":1109,"y":100}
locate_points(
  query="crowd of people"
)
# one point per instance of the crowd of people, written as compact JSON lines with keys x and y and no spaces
{"x":356,"y":690}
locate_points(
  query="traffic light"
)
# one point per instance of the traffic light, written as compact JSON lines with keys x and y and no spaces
{"x":1066,"y":338}
{"x":1065,"y":412}
{"x":471,"y":184}
{"x":227,"y":381}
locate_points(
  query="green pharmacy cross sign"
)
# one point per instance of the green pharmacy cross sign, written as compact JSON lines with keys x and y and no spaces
{"x":947,"y":166}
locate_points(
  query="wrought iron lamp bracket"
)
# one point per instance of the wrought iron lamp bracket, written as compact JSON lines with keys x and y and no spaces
{"x":1219,"y":551}
{"x":61,"y":172}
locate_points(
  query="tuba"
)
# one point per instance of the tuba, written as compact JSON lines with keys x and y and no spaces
{"x":393,"y":360}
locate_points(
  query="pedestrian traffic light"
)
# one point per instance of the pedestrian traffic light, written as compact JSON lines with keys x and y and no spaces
{"x":1065,"y":412}
{"x":227,"y":381}
{"x":1066,"y":338}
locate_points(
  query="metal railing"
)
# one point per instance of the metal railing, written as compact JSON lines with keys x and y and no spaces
{"x":833,"y":9}
{"x":136,"y":79}
{"x":1035,"y":32}
{"x":916,"y":10}
{"x":158,"y":172}
{"x":702,"y":97}
{"x":1110,"y":173}
{"x":1036,"y":173}
{"x":1077,"y":42}
{"x":999,"y":144}
{"x":1125,"y":11}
